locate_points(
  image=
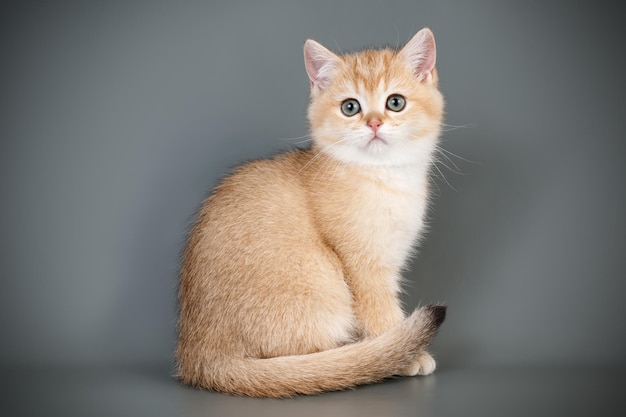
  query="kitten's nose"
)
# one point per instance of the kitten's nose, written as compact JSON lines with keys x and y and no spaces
{"x":374,"y":124}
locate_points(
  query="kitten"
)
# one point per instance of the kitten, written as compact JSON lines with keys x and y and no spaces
{"x":291,"y":274}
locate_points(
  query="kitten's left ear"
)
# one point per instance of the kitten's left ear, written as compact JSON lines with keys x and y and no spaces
{"x":320,"y":65}
{"x":420,"y":54}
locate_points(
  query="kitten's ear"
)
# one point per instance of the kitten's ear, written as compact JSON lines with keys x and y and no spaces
{"x":320,"y":65}
{"x":420,"y":53}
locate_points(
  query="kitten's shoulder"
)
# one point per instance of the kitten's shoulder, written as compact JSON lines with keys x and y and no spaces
{"x":278,"y":165}
{"x":281,"y":169}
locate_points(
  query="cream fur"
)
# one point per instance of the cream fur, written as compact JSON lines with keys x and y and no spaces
{"x":291,"y":274}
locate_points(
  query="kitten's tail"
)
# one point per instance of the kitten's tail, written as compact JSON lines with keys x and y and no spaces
{"x":392,"y":353}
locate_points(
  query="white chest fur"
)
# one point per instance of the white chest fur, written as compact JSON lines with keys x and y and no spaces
{"x":394,"y":215}
{"x":378,"y":216}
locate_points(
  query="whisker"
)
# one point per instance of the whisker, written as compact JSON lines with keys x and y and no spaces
{"x":443,"y":157}
{"x":456,"y":156}
{"x":431,"y":174}
{"x":330,"y":160}
{"x":456,"y":171}
{"x":444,"y":177}
{"x":449,"y":128}
{"x":308,"y":137}
{"x":441,"y":153}
{"x":317,"y":155}
{"x":324,"y":168}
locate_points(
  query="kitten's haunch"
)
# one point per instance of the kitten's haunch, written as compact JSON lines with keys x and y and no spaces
{"x":290,"y":277}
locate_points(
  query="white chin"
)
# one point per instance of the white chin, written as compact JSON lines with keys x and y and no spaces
{"x":381,"y":154}
{"x":376,"y":147}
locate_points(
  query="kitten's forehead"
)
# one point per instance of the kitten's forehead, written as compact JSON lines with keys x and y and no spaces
{"x":370,"y":71}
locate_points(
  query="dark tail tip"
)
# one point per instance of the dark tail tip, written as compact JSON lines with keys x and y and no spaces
{"x":438,"y":314}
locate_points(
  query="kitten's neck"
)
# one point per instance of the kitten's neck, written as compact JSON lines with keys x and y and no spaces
{"x":405,"y":177}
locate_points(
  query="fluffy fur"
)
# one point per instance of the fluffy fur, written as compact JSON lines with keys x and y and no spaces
{"x":291,"y":274}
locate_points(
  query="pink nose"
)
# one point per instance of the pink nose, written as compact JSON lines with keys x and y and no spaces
{"x":374,"y":124}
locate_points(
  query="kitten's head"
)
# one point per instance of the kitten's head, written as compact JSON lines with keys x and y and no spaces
{"x":376,"y":107}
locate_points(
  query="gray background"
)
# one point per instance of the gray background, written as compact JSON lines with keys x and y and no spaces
{"x":117,"y":118}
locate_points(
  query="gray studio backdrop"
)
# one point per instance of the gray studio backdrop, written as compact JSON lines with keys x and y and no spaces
{"x":117,"y":118}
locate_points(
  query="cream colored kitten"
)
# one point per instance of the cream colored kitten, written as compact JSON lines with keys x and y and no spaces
{"x":290,"y":278}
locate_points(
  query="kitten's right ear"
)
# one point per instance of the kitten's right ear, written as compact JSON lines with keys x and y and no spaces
{"x":320,"y":65}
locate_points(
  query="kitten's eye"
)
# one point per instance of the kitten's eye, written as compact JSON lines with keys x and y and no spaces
{"x":396,"y":102}
{"x":350,"y":107}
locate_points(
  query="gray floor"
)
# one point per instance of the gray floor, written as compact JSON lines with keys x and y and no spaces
{"x":149,"y":391}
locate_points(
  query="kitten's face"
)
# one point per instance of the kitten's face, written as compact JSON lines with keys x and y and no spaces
{"x":377,"y":108}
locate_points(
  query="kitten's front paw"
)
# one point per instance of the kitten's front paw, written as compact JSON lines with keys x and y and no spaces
{"x":424,"y":365}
